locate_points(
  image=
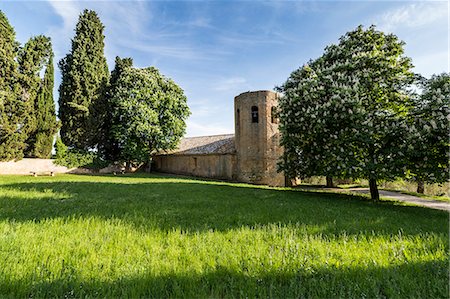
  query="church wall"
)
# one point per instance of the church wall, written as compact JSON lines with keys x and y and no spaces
{"x":217,"y":166}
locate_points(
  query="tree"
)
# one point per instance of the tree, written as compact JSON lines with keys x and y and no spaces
{"x":107,"y":145}
{"x":149,"y":112}
{"x":346,"y":115}
{"x":310,"y":122}
{"x":14,"y":102}
{"x":428,"y":146}
{"x":84,"y":77}
{"x":34,"y":58}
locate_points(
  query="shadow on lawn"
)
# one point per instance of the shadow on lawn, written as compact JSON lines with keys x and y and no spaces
{"x":197,"y":206}
{"x":409,"y":280}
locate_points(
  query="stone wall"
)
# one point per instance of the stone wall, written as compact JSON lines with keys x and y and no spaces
{"x":27,"y":165}
{"x":218,"y":166}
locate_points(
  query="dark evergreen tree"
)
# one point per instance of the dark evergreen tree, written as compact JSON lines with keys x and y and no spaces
{"x":84,"y":77}
{"x":108,"y":147}
{"x":36,"y":56}
{"x":47,"y":125}
{"x":14,"y":103}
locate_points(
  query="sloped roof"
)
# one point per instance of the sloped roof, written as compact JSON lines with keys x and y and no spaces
{"x":204,"y":145}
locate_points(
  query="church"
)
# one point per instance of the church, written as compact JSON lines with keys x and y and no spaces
{"x":250,"y":155}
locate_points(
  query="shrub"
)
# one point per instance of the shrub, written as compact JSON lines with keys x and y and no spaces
{"x":72,"y":158}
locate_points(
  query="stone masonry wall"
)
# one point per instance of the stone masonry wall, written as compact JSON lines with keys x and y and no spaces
{"x":209,"y":166}
{"x":257,"y":144}
{"x":27,"y":165}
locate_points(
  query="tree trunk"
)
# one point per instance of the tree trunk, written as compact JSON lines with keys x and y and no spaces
{"x":149,"y":165}
{"x":329,"y":182}
{"x":374,"y":189}
{"x":420,"y":186}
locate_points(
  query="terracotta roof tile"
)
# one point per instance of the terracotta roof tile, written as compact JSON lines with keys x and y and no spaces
{"x":204,"y":145}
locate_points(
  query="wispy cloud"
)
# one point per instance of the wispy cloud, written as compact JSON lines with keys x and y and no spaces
{"x":413,"y":15}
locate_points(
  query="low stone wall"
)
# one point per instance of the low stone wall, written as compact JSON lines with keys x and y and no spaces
{"x":217,"y":166}
{"x":27,"y":165}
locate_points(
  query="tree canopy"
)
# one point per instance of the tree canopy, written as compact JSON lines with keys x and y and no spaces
{"x":428,"y":146}
{"x":15,"y":103}
{"x":148,"y":112}
{"x":345,"y":113}
{"x":84,"y":78}
{"x":35,"y":58}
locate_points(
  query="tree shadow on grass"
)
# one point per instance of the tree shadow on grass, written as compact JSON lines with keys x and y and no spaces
{"x":410,"y":280}
{"x":199,"y":206}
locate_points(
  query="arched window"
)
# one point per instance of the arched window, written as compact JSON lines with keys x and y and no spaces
{"x":254,"y":114}
{"x":273,"y":115}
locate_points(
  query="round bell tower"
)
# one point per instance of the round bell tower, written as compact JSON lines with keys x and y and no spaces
{"x":257,"y":138}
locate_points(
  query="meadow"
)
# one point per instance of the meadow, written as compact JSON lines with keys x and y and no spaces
{"x":163,"y":237}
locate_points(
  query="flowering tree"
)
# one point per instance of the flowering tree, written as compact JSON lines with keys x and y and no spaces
{"x":428,"y":147}
{"x":345,"y":114}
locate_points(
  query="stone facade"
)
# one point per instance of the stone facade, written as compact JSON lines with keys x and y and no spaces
{"x":257,"y":138}
{"x":249,"y":156}
{"x":207,"y":156}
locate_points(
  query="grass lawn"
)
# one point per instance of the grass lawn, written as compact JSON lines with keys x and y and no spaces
{"x":150,"y":236}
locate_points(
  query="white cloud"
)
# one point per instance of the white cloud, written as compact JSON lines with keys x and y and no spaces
{"x":413,"y":16}
{"x":424,"y":26}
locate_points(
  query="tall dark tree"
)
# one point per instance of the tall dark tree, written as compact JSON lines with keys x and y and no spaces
{"x":34,"y":58}
{"x":14,"y":102}
{"x":47,"y":125}
{"x":107,"y":144}
{"x":84,"y":77}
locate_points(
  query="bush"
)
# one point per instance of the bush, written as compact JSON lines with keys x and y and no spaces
{"x":72,"y":158}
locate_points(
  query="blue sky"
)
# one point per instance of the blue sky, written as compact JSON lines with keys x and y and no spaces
{"x":216,"y":50}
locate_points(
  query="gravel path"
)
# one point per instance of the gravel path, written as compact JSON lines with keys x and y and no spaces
{"x":433,"y":204}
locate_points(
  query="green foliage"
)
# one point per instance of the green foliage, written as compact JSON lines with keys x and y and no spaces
{"x":14,"y":101}
{"x":428,"y":146}
{"x":344,"y":115}
{"x":108,"y":145}
{"x":148,"y":112}
{"x":84,"y":77}
{"x":27,"y":111}
{"x":60,"y":150}
{"x":162,"y":237}
{"x":73,"y":158}
{"x":36,"y":56}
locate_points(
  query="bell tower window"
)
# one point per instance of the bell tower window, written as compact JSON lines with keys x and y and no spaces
{"x":273,"y":115}
{"x":254,"y":114}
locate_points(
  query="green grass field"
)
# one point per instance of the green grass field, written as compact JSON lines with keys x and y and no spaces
{"x":150,"y":236}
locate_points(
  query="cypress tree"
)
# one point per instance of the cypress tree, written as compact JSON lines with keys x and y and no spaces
{"x":36,"y":56}
{"x":14,"y":102}
{"x":47,"y":125}
{"x":108,"y":146}
{"x":84,"y":77}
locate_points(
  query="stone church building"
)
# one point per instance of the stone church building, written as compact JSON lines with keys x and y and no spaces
{"x":250,"y":155}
